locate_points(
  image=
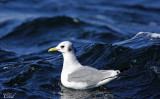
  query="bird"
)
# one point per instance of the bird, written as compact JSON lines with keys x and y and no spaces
{"x":76,"y":76}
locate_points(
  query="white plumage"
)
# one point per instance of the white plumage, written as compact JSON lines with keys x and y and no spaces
{"x":76,"y":76}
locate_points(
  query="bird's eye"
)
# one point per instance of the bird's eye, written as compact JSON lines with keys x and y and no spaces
{"x":62,"y":46}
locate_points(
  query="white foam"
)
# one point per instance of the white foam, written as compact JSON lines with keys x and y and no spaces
{"x":148,"y":34}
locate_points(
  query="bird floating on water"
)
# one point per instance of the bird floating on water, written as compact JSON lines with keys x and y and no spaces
{"x":76,"y":76}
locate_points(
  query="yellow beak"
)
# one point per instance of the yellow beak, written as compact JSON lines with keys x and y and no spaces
{"x":52,"y":49}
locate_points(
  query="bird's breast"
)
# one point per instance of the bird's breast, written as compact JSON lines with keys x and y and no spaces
{"x":72,"y":84}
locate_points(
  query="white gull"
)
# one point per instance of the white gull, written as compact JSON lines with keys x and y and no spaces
{"x":76,"y":76}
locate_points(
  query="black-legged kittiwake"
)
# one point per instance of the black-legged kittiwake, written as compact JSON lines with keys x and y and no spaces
{"x":76,"y":76}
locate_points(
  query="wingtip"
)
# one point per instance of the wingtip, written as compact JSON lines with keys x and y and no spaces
{"x":124,"y":69}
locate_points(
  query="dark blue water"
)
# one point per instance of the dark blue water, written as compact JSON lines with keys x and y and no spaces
{"x":105,"y":33}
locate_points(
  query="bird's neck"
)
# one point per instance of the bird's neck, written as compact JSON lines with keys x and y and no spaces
{"x":70,"y":61}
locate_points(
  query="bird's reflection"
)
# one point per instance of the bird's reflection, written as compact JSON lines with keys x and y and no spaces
{"x":100,"y":93}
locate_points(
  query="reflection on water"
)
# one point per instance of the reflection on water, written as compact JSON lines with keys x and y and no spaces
{"x":100,"y":93}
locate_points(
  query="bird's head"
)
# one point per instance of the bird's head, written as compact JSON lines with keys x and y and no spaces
{"x":63,"y":47}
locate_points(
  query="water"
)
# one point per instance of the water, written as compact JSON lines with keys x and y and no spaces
{"x":105,"y":34}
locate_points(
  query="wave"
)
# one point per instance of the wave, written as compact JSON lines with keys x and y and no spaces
{"x":37,"y":35}
{"x":41,"y":71}
{"x":142,"y":39}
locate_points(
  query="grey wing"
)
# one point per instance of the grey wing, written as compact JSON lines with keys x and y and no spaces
{"x":87,"y":75}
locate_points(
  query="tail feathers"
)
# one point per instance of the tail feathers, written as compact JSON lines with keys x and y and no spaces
{"x":124,"y":69}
